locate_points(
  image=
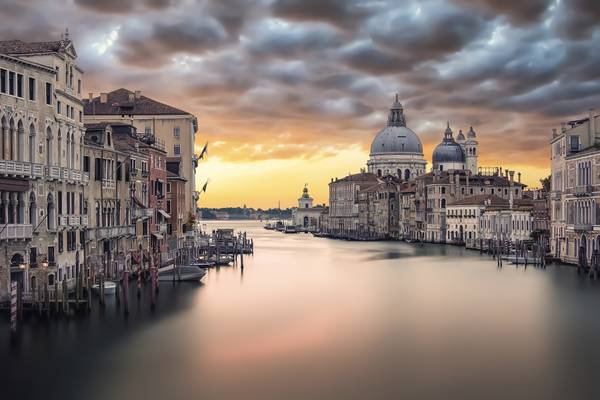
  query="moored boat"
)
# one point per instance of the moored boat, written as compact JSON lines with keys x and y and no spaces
{"x":181,"y":273}
{"x":290,"y":229}
{"x":110,"y":287}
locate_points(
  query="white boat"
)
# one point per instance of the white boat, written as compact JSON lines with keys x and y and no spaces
{"x":110,"y":287}
{"x":181,"y":273}
{"x":203,"y":263}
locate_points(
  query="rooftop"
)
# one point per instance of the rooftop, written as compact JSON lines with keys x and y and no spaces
{"x":123,"y":101}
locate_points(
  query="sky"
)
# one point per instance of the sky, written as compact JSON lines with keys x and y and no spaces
{"x":292,"y":92}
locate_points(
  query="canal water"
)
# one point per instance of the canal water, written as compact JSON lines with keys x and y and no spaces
{"x":311,"y":318}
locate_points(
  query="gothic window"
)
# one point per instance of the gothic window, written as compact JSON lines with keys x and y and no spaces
{"x":50,"y":213}
{"x":48,"y":146}
{"x":32,"y":209}
{"x":31,"y":143}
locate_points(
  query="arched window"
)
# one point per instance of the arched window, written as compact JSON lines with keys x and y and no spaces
{"x":443,"y":204}
{"x":379,"y":173}
{"x":50,"y":213}
{"x":3,"y":135}
{"x":59,"y":147}
{"x":32,"y":209}
{"x":31,"y":143}
{"x":21,"y":208}
{"x":406,"y":174}
{"x":20,"y":141}
{"x":48,"y":146}
{"x":97,"y":214}
{"x":11,"y":143}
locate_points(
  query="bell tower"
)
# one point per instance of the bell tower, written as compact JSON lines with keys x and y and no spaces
{"x":470,"y":147}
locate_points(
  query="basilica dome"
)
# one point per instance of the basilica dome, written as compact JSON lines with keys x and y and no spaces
{"x":396,"y":138}
{"x":448,"y":151}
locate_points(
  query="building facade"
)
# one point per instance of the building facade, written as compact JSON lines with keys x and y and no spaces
{"x":174,"y":128}
{"x":41,"y":181}
{"x":306,"y":216}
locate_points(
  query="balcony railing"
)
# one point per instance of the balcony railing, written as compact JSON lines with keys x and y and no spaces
{"x":74,"y":220}
{"x":53,"y":172}
{"x":162,"y":228}
{"x":115,"y":231}
{"x":84,"y":220}
{"x":63,"y":220}
{"x":108,"y":184}
{"x":582,"y":190}
{"x":21,"y":169}
{"x":579,"y":227}
{"x":16,"y":231}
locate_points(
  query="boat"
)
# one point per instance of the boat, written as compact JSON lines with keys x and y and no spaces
{"x":110,"y":287}
{"x":223,"y":260}
{"x":203,"y":263}
{"x":269,"y":227}
{"x":279,"y":226}
{"x":290,"y":229}
{"x":186,"y":273}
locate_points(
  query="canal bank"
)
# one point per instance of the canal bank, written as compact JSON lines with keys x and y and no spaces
{"x":313,"y":318}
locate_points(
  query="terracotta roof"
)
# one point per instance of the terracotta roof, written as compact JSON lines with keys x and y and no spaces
{"x":20,"y":47}
{"x":479,"y":200}
{"x":118,"y":103}
{"x":360,"y":177}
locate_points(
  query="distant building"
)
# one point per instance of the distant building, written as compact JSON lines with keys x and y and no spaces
{"x":343,"y":203}
{"x":305,"y":215}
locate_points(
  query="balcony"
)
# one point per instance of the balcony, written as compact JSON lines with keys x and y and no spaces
{"x":583,"y":227}
{"x":21,"y":169}
{"x":108,"y":184}
{"x":134,"y":172}
{"x":582,"y":190}
{"x":85,"y":178}
{"x":84,"y":220}
{"x":143,"y":212}
{"x":162,"y":228}
{"x":53,"y":173}
{"x":74,"y":220}
{"x":16,"y":232}
{"x":63,"y":221}
{"x":145,"y":173}
{"x":108,"y":232}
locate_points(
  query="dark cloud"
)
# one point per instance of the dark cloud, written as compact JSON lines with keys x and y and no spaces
{"x":343,"y":13}
{"x":519,"y":12}
{"x":367,"y":56}
{"x":577,"y":19}
{"x":121,"y":6}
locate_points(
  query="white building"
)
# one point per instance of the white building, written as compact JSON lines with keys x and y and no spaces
{"x":305,"y":215}
{"x":463,"y":217}
{"x":396,"y":149}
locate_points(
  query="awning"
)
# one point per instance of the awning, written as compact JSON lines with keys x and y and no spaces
{"x":158,"y":236}
{"x":164,"y":214}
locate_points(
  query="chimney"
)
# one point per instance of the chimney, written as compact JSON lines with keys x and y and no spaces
{"x":103,"y":97}
{"x":563,"y":127}
{"x":519,"y":177}
{"x":91,"y":96}
{"x":138,"y":94}
{"x":554,"y":132}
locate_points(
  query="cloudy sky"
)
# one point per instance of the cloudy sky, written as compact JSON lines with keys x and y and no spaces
{"x":289,"y":92}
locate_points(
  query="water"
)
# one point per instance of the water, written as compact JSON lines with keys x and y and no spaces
{"x":313,"y":318}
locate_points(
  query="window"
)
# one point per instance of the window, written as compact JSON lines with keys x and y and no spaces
{"x":48,"y":93}
{"x":168,"y":188}
{"x":32,"y":89}
{"x":176,"y":132}
{"x":58,"y":107}
{"x":80,"y":116}
{"x":168,"y":206}
{"x":60,"y":242}
{"x":78,"y":86}
{"x":33,"y":257}
{"x":574,"y":143}
{"x":148,"y":130}
{"x":11,"y":83}
{"x":177,"y":149}
{"x":3,"y":79}
{"x":51,"y":259}
{"x":60,"y":203}
{"x":119,"y":174}
{"x":19,"y":85}
{"x":86,"y":164}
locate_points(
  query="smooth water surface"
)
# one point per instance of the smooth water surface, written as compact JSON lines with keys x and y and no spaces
{"x":310,"y":318}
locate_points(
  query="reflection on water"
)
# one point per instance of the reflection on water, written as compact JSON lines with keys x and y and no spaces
{"x":311,"y":318}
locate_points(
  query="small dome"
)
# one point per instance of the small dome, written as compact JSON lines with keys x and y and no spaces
{"x":460,"y":136}
{"x":448,"y":151}
{"x":471,"y":134}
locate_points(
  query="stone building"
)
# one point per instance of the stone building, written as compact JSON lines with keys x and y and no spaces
{"x":436,"y":189}
{"x":463,"y":217}
{"x":396,"y":149}
{"x":407,"y":224}
{"x":574,"y":198}
{"x":41,"y":182}
{"x":175,"y":128}
{"x":175,"y":205}
{"x":306,"y":216}
{"x":343,"y":218}
{"x":512,"y":222}
{"x":111,"y":233}
{"x":378,"y":206}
